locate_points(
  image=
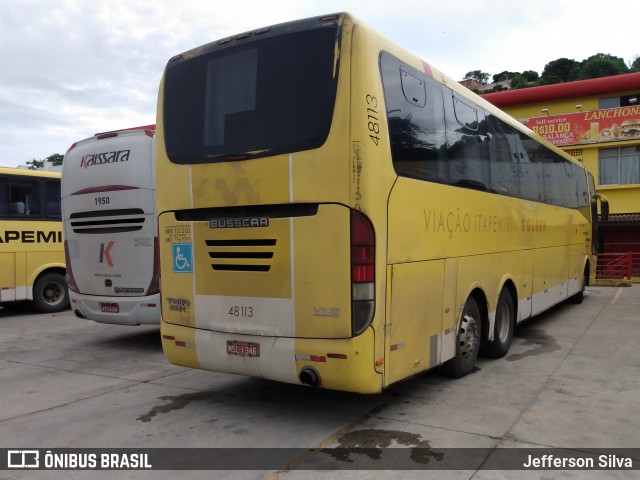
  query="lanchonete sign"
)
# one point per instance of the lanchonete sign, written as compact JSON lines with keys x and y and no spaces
{"x":612,"y":124}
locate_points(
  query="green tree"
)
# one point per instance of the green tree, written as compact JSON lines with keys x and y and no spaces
{"x":602,"y":65}
{"x":520,"y":82}
{"x":480,"y":76}
{"x":560,"y":70}
{"x":635,"y":65}
{"x":502,"y":76}
{"x":530,"y":76}
{"x":54,"y":159}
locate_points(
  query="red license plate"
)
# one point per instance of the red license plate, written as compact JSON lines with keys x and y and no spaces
{"x":110,"y":307}
{"x":243,"y":349}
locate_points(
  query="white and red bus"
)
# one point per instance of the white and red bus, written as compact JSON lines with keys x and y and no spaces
{"x":110,"y":227}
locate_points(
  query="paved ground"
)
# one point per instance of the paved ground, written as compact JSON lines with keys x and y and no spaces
{"x":570,"y":381}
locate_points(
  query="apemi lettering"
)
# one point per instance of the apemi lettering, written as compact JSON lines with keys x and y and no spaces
{"x":30,"y":236}
{"x":243,"y":222}
{"x":91,"y":159}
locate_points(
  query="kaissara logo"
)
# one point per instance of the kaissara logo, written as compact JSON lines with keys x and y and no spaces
{"x":91,"y":159}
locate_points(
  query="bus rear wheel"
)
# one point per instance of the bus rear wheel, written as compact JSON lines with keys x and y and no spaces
{"x":467,"y":341}
{"x":502,"y":327}
{"x":50,"y":293}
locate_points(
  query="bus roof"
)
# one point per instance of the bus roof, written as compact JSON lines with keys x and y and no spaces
{"x":29,"y":172}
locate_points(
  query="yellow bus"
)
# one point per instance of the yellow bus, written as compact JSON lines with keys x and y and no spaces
{"x":336,"y":212}
{"x":32,"y":265}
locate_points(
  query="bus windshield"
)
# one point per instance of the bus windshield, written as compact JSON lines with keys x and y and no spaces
{"x":255,"y":99}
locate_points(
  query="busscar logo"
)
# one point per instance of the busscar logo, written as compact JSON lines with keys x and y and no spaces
{"x":92,"y":159}
{"x":243,"y":222}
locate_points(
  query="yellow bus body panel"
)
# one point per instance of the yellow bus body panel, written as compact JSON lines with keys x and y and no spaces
{"x":28,"y":246}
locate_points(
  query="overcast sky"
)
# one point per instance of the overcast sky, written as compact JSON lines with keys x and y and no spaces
{"x":72,"y":68}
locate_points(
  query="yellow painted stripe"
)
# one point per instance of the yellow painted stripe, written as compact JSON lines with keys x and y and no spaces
{"x":616,"y":296}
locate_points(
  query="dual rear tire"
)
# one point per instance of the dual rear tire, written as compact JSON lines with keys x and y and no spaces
{"x":469,"y":338}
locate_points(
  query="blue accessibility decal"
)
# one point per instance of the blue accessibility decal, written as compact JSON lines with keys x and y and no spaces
{"x":182,"y":258}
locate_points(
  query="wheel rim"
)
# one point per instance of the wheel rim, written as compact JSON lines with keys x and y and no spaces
{"x":503,"y":318}
{"x":53,"y":293}
{"x":468,"y":336}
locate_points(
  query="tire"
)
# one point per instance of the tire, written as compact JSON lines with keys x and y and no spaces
{"x":467,"y":341}
{"x":50,"y":293}
{"x":502,"y":328}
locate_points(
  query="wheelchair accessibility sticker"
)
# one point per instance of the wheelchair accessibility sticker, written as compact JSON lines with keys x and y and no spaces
{"x":182,"y":258}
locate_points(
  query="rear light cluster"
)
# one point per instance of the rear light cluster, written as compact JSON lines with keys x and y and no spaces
{"x":71,"y":282}
{"x":362,"y":272}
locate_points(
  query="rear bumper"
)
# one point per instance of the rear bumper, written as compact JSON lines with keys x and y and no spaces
{"x":132,"y":310}
{"x":342,"y":364}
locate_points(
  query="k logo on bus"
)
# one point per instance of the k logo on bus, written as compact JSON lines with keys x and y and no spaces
{"x":105,"y":253}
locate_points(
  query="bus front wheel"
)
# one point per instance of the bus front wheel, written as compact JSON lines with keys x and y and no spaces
{"x":467,"y":341}
{"x":50,"y":293}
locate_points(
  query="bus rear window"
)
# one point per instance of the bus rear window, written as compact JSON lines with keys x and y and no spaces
{"x":257,"y":98}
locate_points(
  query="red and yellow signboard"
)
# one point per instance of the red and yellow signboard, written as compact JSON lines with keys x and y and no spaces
{"x":596,"y":126}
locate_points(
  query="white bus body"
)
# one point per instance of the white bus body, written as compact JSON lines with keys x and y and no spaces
{"x":110,"y":227}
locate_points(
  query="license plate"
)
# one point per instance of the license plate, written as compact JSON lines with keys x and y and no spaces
{"x":110,"y":307}
{"x":243,"y":349}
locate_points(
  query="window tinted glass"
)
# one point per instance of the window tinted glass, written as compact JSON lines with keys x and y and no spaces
{"x":467,"y":144}
{"x":415,"y":113}
{"x":447,"y":138}
{"x":504,"y":156}
{"x":52,"y":199}
{"x":24,"y":197}
{"x":4,"y":197}
{"x":258,"y":98}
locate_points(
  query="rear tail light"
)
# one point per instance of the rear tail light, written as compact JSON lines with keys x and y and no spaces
{"x":71,"y":282}
{"x":154,"y":286}
{"x":362,"y":272}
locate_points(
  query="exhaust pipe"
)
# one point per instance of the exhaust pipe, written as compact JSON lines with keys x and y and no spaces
{"x":79,"y":314}
{"x":310,"y":376}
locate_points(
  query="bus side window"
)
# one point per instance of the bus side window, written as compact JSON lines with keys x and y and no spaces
{"x":416,"y":121}
{"x":467,"y":145}
{"x":52,"y":202}
{"x":504,"y":170}
{"x":4,"y":197}
{"x":25,"y":198}
{"x":413,"y":89}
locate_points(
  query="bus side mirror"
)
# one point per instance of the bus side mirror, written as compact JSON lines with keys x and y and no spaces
{"x":604,"y":209}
